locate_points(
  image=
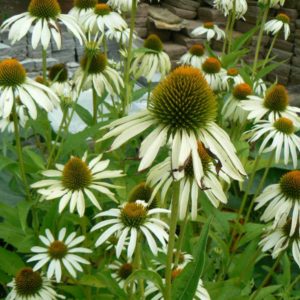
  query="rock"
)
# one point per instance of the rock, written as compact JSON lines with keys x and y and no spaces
{"x":64,"y":56}
{"x":5,"y":50}
{"x":292,"y":13}
{"x":277,"y":78}
{"x":184,"y":4}
{"x":184,"y":40}
{"x":166,"y":26}
{"x":141,"y":22}
{"x":190,"y":25}
{"x":143,"y":10}
{"x":296,"y":61}
{"x":183,"y":13}
{"x":281,"y":55}
{"x":163,"y":15}
{"x":141,"y":32}
{"x":164,"y":35}
{"x":207,"y":14}
{"x":174,"y":51}
{"x":243,"y":26}
{"x":284,"y":45}
{"x":38,"y":63}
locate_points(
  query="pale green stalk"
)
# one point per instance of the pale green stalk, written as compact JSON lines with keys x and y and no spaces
{"x":270,"y":49}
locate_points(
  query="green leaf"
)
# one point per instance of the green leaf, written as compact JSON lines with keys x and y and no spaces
{"x":84,"y":115}
{"x":185,"y":285}
{"x":93,"y":281}
{"x":145,"y":275}
{"x":10,"y":262}
{"x":267,"y":291}
{"x":243,"y":39}
{"x":33,"y":161}
{"x":23,"y":210}
{"x":232,"y":58}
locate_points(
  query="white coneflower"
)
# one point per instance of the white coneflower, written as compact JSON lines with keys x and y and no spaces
{"x":162,"y":176}
{"x":259,"y":87}
{"x":282,"y":21}
{"x":121,"y":5}
{"x":100,"y":75}
{"x":283,"y":200}
{"x":195,"y":57}
{"x":59,"y":81}
{"x":102,"y":18}
{"x":151,"y":60}
{"x":210,"y":29}
{"x":182,"y":108}
{"x":30,"y":285}
{"x":8,"y":122}
{"x":81,"y":8}
{"x":232,"y":78}
{"x":279,"y":239}
{"x":282,"y":137}
{"x":132,"y":219}
{"x":120,"y":35}
{"x":121,"y":271}
{"x":14,"y":84}
{"x":74,"y":182}
{"x":232,"y":110}
{"x":156,"y":294}
{"x":213,"y":73}
{"x":43,"y":16}
{"x":227,"y":6}
{"x":272,"y":3}
{"x":274,"y":104}
{"x":58,"y":253}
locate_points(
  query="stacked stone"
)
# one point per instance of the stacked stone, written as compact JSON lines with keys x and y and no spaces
{"x":141,"y":21}
{"x":186,"y":9}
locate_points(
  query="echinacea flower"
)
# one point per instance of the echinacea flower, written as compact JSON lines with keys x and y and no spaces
{"x":151,"y":60}
{"x":271,"y":3}
{"x":73,"y":182}
{"x":120,"y":35}
{"x":213,"y":73}
{"x":210,"y":29}
{"x":282,"y":137}
{"x":100,"y":75}
{"x":59,"y":81}
{"x":282,"y":21}
{"x":162,"y":175}
{"x":14,"y":84}
{"x":232,"y":110}
{"x":227,"y":6}
{"x":182,"y":109}
{"x":81,"y":8}
{"x":274,"y":104}
{"x":156,"y":294}
{"x":121,"y":271}
{"x":121,"y":5}
{"x":279,"y":239}
{"x":283,"y":200}
{"x":8,"y":122}
{"x":102,"y":18}
{"x":144,"y":192}
{"x":195,"y":57}
{"x":43,"y":16}
{"x":133,"y":219}
{"x":58,"y":253}
{"x":31,"y":285}
{"x":232,"y":78}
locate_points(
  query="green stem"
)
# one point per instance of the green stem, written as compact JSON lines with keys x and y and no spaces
{"x":19,"y":149}
{"x":268,"y":276}
{"x":180,"y":240}
{"x":65,"y":112}
{"x":127,"y":90}
{"x":104,"y":45}
{"x":231,"y":27}
{"x":270,"y":49}
{"x":171,"y":243}
{"x":226,"y":33}
{"x":138,"y":265}
{"x":260,"y":38}
{"x":95,"y":106}
{"x":44,"y":59}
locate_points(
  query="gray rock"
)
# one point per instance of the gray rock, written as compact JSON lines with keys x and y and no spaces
{"x":183,"y":13}
{"x":190,"y":25}
{"x":281,"y":55}
{"x":163,"y":15}
{"x":5,"y":50}
{"x":207,"y":14}
{"x":184,"y":4}
{"x":174,"y":51}
{"x":184,"y":40}
{"x":296,"y":61}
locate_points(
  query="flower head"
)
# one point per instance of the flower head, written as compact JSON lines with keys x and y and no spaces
{"x":273,"y":104}
{"x":182,"y":108}
{"x":14,"y":84}
{"x":74,"y":181}
{"x":121,"y":5}
{"x":152,"y":60}
{"x":58,"y":253}
{"x":121,"y":271}
{"x":228,"y":6}
{"x":283,"y":199}
{"x":194,"y":57}
{"x":143,"y":192}
{"x":43,"y":16}
{"x":31,"y":285}
{"x":211,"y":30}
{"x":281,"y":21}
{"x":131,"y":219}
{"x":282,"y":135}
